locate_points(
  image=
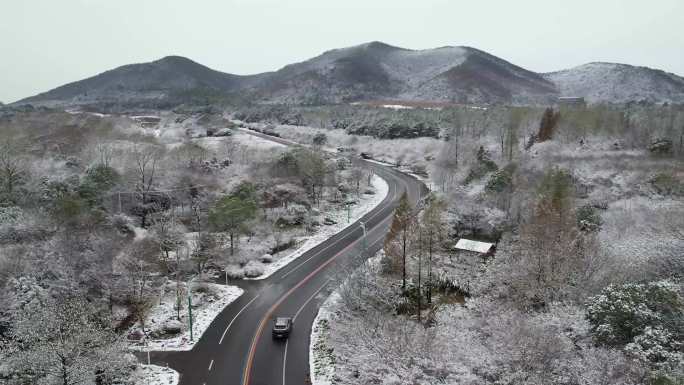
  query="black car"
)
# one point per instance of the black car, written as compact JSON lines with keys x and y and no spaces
{"x":366,"y":155}
{"x":282,"y":327}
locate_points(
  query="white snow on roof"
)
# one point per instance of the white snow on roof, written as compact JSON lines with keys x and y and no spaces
{"x":476,"y":246}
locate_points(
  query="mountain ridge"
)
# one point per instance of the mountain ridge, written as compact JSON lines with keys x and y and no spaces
{"x":373,"y":71}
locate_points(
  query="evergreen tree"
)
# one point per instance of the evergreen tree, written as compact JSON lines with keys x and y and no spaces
{"x":232,"y":212}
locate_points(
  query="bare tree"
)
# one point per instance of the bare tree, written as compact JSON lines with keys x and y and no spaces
{"x":400,"y":234}
{"x":146,"y":161}
{"x":105,"y":153}
{"x":447,"y":159}
{"x":434,"y":227}
{"x":141,"y":262}
{"x":12,"y":170}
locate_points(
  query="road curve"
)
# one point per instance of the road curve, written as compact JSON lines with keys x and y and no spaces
{"x":237,"y":348}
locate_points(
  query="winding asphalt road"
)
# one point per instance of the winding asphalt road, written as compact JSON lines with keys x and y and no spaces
{"x":237,"y":348}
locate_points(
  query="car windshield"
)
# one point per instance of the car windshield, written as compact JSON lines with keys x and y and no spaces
{"x":281,"y":323}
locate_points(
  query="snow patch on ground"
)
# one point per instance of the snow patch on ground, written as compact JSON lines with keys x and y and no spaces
{"x":366,"y":204}
{"x":155,"y":375}
{"x":255,"y":142}
{"x":321,"y":359}
{"x":206,"y":306}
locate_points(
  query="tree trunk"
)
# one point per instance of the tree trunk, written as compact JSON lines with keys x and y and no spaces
{"x":65,"y":374}
{"x":420,"y":294}
{"x":429,"y":283}
{"x":420,"y":272}
{"x":403,"y":261}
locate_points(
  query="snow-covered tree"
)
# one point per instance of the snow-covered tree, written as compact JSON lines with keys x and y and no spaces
{"x":13,"y":171}
{"x":65,"y":341}
{"x":400,"y":235}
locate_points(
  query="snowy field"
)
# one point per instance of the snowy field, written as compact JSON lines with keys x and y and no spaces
{"x":155,"y":375}
{"x":208,"y":302}
{"x":242,"y":138}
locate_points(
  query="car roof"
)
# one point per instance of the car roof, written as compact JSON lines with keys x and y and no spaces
{"x":282,"y":320}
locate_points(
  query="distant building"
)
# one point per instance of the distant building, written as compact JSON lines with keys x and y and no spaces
{"x":571,"y":101}
{"x":484,"y":249}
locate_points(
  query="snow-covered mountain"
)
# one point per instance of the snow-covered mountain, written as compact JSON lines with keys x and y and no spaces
{"x":619,"y":83}
{"x":154,"y":81}
{"x":373,"y":71}
{"x":380,"y":71}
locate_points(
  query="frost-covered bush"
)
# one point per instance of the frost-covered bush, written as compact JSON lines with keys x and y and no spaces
{"x":474,"y":220}
{"x":320,"y":139}
{"x":253,"y":269}
{"x":482,"y":167}
{"x":122,"y":223}
{"x":645,"y":317}
{"x":666,"y":183}
{"x":97,"y":181}
{"x":235,"y":272}
{"x":501,"y":180}
{"x":588,"y":218}
{"x":656,"y":346}
{"x":11,"y":215}
{"x":18,"y":226}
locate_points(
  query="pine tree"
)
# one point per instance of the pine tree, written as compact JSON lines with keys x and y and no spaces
{"x":547,"y":125}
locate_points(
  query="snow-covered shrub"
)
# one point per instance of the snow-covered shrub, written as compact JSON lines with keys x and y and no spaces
{"x":666,"y":183}
{"x":482,"y":167}
{"x":253,"y":269}
{"x":320,"y":139}
{"x":97,"y":181}
{"x":202,"y":287}
{"x":122,"y":223}
{"x":661,"y":146}
{"x":657,"y":347}
{"x":11,"y":215}
{"x":622,"y":313}
{"x":474,"y":220}
{"x":501,"y":180}
{"x":235,"y":272}
{"x":588,"y":219}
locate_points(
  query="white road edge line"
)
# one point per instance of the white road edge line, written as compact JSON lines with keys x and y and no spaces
{"x":336,"y":242}
{"x":295,"y":317}
{"x":285,"y":361}
{"x":314,"y":256}
{"x":234,"y":318}
{"x":310,"y":298}
{"x":211,"y":364}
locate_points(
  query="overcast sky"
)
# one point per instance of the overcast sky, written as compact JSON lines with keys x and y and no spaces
{"x":46,"y":43}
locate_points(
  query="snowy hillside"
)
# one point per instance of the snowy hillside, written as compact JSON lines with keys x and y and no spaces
{"x":618,"y":83}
